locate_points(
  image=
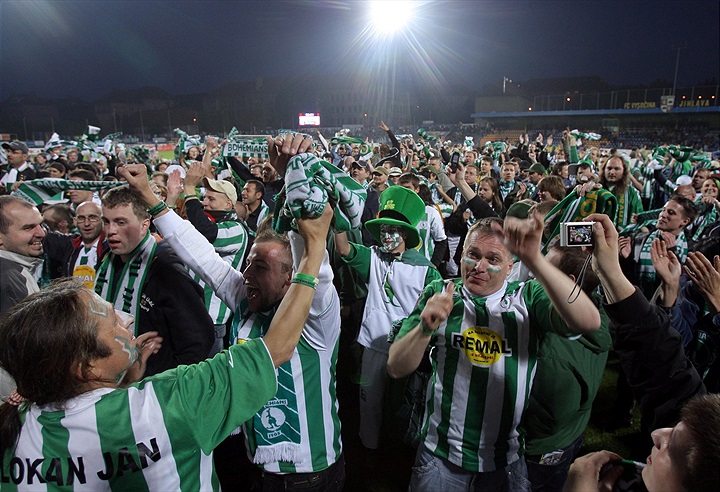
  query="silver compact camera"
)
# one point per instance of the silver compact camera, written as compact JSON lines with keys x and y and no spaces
{"x":576,"y":234}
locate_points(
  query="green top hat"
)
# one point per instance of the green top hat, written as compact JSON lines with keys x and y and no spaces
{"x":399,"y":207}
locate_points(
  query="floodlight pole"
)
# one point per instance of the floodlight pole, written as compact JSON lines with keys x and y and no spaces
{"x":677,"y":64}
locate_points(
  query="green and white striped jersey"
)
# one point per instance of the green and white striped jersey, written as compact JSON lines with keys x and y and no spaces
{"x":310,"y":373}
{"x":431,"y":229}
{"x":155,"y":435}
{"x":230,"y":244}
{"x":483,"y":359}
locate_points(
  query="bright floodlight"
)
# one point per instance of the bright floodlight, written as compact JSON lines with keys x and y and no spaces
{"x":389,"y":16}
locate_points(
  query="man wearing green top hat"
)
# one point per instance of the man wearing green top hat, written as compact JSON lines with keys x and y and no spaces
{"x":395,"y":274}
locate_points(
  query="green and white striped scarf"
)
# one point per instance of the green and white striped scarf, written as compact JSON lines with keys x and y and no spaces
{"x":707,"y":214}
{"x":646,"y":271}
{"x":39,"y":191}
{"x":309,"y":184}
{"x":506,"y":188}
{"x":124,"y":294}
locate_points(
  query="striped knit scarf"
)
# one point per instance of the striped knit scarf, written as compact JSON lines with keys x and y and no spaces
{"x":506,"y":188}
{"x":646,"y":271}
{"x":125,"y":293}
{"x":309,"y":184}
{"x":707,"y":214}
{"x":39,"y":191}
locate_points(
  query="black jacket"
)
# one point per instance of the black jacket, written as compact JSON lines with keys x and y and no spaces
{"x":172,"y":304}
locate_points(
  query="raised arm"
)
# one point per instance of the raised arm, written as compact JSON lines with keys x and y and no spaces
{"x":522,"y":238}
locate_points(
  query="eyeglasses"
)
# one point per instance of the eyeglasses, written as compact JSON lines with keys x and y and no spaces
{"x":93,"y":219}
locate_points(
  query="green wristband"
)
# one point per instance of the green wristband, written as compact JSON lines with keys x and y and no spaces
{"x":305,"y":279}
{"x":157,"y":208}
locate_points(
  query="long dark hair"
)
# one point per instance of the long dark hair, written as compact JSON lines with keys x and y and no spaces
{"x":47,"y":342}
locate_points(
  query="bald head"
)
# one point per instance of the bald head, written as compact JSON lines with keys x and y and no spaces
{"x":687,"y":191}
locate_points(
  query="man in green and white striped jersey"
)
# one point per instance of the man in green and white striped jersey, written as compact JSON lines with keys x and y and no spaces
{"x":216,"y":219}
{"x":81,"y":422}
{"x":295,"y":438}
{"x":484,"y":333}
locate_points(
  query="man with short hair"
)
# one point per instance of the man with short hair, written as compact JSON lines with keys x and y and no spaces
{"x":79,"y":254}
{"x":380,"y":179}
{"x":77,"y":197}
{"x":273,"y":184}
{"x":434,"y":242}
{"x":216,"y":219}
{"x":58,"y":217}
{"x":147,"y":280}
{"x":252,"y":199}
{"x":21,"y":249}
{"x":677,"y":213}
{"x":698,"y":178}
{"x":483,"y":333}
{"x":18,"y":167}
{"x":294,"y":440}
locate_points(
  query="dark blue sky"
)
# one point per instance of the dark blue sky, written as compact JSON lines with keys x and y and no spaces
{"x":87,"y":48}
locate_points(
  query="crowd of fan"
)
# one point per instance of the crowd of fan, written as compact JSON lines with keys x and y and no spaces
{"x":432,"y":221}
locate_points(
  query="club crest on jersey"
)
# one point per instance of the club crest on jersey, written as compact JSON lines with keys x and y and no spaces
{"x":482,"y":346}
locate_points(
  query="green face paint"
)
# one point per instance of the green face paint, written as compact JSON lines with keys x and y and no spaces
{"x":97,"y":307}
{"x":493,"y":269}
{"x":128,"y":348}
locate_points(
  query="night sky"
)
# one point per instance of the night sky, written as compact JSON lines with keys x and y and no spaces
{"x":87,"y":48}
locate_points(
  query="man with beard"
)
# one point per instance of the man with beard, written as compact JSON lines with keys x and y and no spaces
{"x":216,"y":219}
{"x":78,"y":255}
{"x":615,"y":177}
{"x":395,"y":274}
